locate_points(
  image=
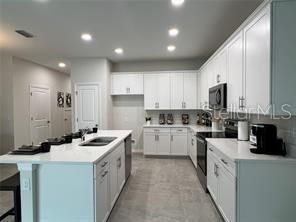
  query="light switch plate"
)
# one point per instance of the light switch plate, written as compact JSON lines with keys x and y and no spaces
{"x":26,"y":186}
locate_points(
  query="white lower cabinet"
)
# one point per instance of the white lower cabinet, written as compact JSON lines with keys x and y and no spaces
{"x":109,"y":181}
{"x":212,"y":180}
{"x":226,"y":198}
{"x":165,"y":141}
{"x":179,"y":142}
{"x":191,"y":144}
{"x":157,"y":141}
{"x":221,"y":183}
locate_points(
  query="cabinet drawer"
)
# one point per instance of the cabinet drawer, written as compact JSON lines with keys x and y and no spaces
{"x":102,"y":165}
{"x":179,"y":130}
{"x":156,"y":130}
{"x":227,"y":163}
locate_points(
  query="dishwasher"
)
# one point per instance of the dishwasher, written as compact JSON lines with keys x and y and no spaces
{"x":128,"y":156}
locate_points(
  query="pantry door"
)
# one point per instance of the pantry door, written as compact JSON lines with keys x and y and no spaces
{"x":39,"y":113}
{"x":87,"y":105}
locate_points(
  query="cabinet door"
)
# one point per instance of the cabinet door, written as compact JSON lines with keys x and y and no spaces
{"x":257,"y":62}
{"x":235,"y":73}
{"x":102,"y":196}
{"x":121,"y":168}
{"x":211,"y":70}
{"x":163,"y":91}
{"x":113,"y":180}
{"x":190,"y":92}
{"x":227,"y":189}
{"x":177,"y":90}
{"x":118,"y":84}
{"x":163,"y":144}
{"x":150,"y":91}
{"x":179,"y":144}
{"x":212,"y":181}
{"x":150,"y":145}
{"x":204,"y":89}
{"x":199,"y":100}
{"x":221,"y":67}
{"x":193,"y":150}
{"x":134,"y":84}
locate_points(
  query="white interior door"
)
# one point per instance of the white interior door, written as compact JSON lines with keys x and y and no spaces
{"x":68,"y":121}
{"x":40,"y":113}
{"x":87,"y":105}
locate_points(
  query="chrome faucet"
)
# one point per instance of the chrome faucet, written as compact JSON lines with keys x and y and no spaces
{"x":83,"y":133}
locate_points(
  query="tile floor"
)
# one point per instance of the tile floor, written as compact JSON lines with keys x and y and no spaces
{"x":163,"y":190}
{"x":159,"y":190}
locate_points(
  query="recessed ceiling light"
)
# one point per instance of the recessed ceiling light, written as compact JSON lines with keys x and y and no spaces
{"x":86,"y":37}
{"x":177,"y":3}
{"x":173,"y":32}
{"x":118,"y":51}
{"x":62,"y":65}
{"x":171,"y":48}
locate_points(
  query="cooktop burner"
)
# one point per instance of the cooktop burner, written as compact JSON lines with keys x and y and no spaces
{"x":217,"y":134}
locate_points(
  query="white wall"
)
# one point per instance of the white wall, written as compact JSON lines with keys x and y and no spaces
{"x":129,"y":113}
{"x":25,"y":74}
{"x":158,"y":65}
{"x":6,"y":104}
{"x":88,"y":70}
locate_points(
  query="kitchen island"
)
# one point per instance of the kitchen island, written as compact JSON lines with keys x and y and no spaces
{"x":72,"y":182}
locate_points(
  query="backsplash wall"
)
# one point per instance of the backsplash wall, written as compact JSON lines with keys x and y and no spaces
{"x":286,"y":128}
{"x":177,"y":114}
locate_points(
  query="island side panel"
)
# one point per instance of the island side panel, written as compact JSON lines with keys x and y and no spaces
{"x":28,"y":191}
{"x":65,"y":192}
{"x":266,"y":191}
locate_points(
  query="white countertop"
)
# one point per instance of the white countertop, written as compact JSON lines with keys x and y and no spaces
{"x":72,"y":153}
{"x":240,"y":150}
{"x":195,"y":128}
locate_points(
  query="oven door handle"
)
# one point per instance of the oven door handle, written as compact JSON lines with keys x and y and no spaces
{"x":200,"y":140}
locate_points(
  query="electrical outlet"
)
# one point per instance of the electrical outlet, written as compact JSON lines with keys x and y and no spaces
{"x":26,"y":186}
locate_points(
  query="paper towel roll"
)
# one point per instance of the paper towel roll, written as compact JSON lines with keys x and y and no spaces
{"x":243,"y":130}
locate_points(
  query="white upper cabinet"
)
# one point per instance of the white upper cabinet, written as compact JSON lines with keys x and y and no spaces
{"x":190,"y":90}
{"x":177,"y":86}
{"x":157,"y":91}
{"x":183,"y":90}
{"x":127,"y":84}
{"x":257,"y":62}
{"x":198,"y":92}
{"x":220,"y":75}
{"x":204,"y":89}
{"x":235,"y":73}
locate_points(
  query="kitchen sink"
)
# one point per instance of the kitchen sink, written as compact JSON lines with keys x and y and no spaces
{"x":99,"y":141}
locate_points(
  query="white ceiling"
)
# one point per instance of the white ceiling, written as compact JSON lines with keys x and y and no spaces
{"x":138,"y":26}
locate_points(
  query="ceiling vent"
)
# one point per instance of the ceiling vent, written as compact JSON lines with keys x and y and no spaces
{"x":24,"y":33}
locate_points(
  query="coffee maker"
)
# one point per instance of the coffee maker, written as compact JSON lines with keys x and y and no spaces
{"x":264,"y":137}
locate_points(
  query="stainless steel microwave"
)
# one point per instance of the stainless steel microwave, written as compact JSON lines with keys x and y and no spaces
{"x":218,"y":97}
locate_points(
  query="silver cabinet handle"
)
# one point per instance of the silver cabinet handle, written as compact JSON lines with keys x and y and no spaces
{"x":218,"y":78}
{"x":119,"y":162}
{"x":104,"y":164}
{"x":200,"y":140}
{"x":172,"y":138}
{"x":192,"y":142}
{"x":104,"y":174}
{"x":211,"y":149}
{"x":180,"y":130}
{"x":224,"y":161}
{"x":216,"y":170}
{"x":184,"y":105}
{"x":241,"y":102}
